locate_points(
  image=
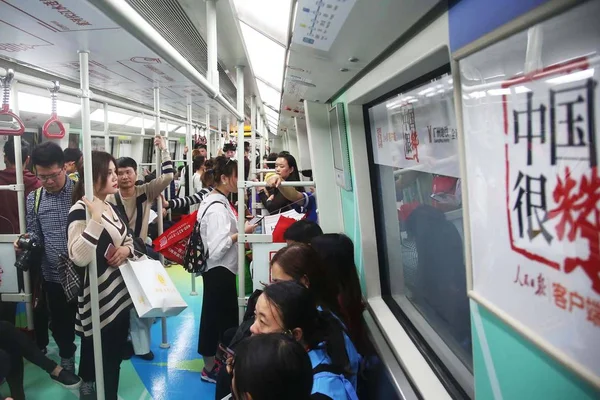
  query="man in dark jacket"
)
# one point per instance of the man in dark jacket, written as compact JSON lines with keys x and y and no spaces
{"x":9,"y":211}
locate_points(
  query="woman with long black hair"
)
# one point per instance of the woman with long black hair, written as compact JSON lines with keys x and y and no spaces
{"x":287,"y":168}
{"x":290,"y":308}
{"x":218,"y":228}
{"x":336,"y":250}
{"x":103,"y":238}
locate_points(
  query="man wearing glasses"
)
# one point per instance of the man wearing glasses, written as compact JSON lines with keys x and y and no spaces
{"x":46,"y":223}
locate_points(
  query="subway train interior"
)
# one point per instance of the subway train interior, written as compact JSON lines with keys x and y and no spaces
{"x":478,"y":267}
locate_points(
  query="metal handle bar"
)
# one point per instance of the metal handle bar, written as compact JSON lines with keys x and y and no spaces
{"x":6,"y":107}
{"x":54,"y":116}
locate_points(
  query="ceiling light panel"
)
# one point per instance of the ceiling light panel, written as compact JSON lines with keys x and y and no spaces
{"x":136,"y":122}
{"x":268,"y":16}
{"x":43,"y":105}
{"x":114,"y":117}
{"x":268,"y":95}
{"x":266,"y":56}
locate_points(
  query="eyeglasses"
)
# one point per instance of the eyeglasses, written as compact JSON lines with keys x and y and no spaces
{"x":45,"y":178}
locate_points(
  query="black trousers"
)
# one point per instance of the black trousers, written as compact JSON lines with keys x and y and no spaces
{"x":114,"y":341}
{"x":219,"y":309}
{"x":62,"y":315}
{"x":14,"y":345}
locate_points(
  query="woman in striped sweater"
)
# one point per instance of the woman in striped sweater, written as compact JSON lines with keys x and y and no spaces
{"x":104,"y":238}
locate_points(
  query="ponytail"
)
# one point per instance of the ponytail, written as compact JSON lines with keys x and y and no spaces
{"x":331,"y":331}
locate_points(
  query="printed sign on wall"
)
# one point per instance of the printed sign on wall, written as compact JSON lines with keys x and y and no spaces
{"x":534,"y":188}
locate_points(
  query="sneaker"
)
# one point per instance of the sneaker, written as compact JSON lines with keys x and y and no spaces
{"x":68,"y":364}
{"x":67,"y":379}
{"x":147,"y":356}
{"x":87,"y":391}
{"x":210,"y":376}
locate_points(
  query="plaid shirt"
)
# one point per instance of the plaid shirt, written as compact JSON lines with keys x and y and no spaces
{"x":50,"y":226}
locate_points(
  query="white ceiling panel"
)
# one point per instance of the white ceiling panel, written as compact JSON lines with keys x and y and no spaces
{"x":268,"y":95}
{"x":316,"y":71}
{"x":268,"y":16}
{"x":267,"y":56}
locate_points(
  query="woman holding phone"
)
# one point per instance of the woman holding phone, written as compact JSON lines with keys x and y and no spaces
{"x":103,"y":238}
{"x":218,"y":228}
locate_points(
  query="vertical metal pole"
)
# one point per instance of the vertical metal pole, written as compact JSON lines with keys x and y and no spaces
{"x":228,"y":128}
{"x":220,"y":130}
{"x":143,"y":132}
{"x":21,"y":204}
{"x":241,"y":190}
{"x":263,"y":134}
{"x":212,"y":72}
{"x":207,"y":122}
{"x":252,"y":149}
{"x":165,"y":342}
{"x":174,"y":169}
{"x":190,"y":174}
{"x":89,"y":193}
{"x":106,"y":130}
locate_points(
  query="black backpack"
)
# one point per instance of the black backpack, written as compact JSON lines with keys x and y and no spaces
{"x":196,"y":256}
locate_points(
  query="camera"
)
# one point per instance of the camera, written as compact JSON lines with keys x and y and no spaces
{"x":30,"y":250}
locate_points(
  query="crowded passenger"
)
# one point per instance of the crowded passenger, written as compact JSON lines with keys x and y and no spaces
{"x":134,"y":204}
{"x":16,"y":345}
{"x":73,"y":157}
{"x":218,"y":226}
{"x":287,"y":169}
{"x":271,"y":366}
{"x":208,"y":183}
{"x":290,"y":308}
{"x":103,"y":238}
{"x":9,"y":212}
{"x":337,"y":253}
{"x":47,"y":216}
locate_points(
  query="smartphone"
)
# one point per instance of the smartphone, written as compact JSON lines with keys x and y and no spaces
{"x":256,"y":220}
{"x":110,"y":251}
{"x":223,"y":353}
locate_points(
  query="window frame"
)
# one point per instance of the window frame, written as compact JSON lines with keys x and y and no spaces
{"x":454,"y":375}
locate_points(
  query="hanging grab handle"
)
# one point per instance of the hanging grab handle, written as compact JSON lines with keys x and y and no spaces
{"x":54,"y":116}
{"x":18,"y":127}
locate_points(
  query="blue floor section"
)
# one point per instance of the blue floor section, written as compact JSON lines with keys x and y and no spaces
{"x":174,"y":374}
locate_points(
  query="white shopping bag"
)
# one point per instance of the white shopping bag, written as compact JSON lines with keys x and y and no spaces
{"x":151,"y":289}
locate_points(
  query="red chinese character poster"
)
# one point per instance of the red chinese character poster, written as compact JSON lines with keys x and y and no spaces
{"x":531,"y":118}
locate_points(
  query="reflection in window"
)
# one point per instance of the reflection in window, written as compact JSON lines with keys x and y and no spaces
{"x":414,"y":144}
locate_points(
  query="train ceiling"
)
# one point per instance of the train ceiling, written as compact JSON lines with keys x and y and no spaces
{"x":46,"y":36}
{"x":333,"y":40}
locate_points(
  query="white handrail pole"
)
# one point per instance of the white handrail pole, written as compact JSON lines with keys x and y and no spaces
{"x":106,"y":130}
{"x":21,"y":205}
{"x":252,"y":154}
{"x":164,"y":343}
{"x":89,"y":194}
{"x":241,"y":192}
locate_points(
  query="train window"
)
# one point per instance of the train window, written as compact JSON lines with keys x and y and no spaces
{"x":417,"y":196}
